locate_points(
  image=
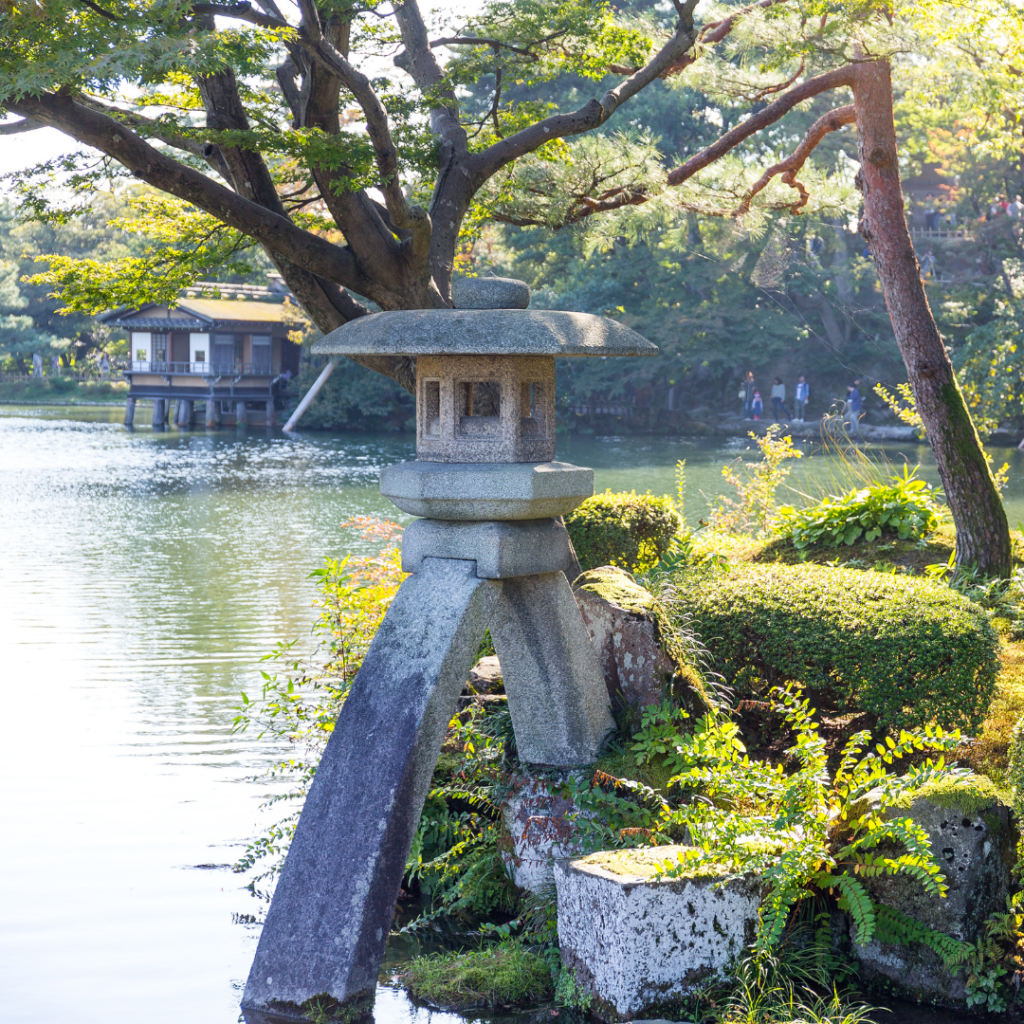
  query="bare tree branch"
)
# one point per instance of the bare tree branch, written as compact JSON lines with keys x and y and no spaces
{"x":841,"y":77}
{"x":17,"y":127}
{"x":833,"y":121}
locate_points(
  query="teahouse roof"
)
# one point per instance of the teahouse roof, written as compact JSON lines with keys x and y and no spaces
{"x":204,"y":314}
{"x":416,"y":332}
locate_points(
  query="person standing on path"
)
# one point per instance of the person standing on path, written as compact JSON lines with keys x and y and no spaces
{"x":800,"y":397}
{"x":853,"y":407}
{"x":756,"y":405}
{"x":37,"y":365}
{"x":748,"y":395}
{"x":778,"y":398}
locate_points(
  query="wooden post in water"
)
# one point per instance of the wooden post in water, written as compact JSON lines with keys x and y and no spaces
{"x":212,"y":413}
{"x":158,"y":412}
{"x":187,"y":412}
{"x":129,"y":412}
{"x":271,"y":418}
{"x":240,"y":414}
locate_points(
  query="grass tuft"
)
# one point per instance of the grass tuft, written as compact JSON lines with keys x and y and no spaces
{"x":502,"y":975}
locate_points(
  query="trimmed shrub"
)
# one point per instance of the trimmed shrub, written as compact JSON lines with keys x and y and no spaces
{"x":904,"y":508}
{"x":907,"y":651}
{"x":630,"y":530}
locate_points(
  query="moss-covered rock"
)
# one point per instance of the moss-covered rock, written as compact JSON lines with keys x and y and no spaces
{"x":638,"y":646}
{"x":974,"y":840}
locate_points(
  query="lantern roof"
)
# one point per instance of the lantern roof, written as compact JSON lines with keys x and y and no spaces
{"x":507,"y":332}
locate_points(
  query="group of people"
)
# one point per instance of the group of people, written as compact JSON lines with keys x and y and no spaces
{"x":753,"y":404}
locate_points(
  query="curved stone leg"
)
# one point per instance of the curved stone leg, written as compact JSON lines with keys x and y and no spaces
{"x":556,"y":691}
{"x":331,"y":913}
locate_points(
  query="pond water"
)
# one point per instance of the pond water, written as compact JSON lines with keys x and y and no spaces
{"x":143,"y":576}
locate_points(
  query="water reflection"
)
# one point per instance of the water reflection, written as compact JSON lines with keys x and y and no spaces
{"x":143,"y":576}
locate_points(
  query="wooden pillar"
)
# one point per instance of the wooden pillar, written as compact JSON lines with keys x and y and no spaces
{"x":186,"y":408}
{"x":159,"y":411}
{"x":271,"y":420}
{"x":239,"y":414}
{"x":212,"y":412}
{"x":129,"y":412}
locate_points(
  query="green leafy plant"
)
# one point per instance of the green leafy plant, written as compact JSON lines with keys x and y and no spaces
{"x":628,"y":530}
{"x":905,"y":507}
{"x":806,"y":832}
{"x":906,"y":651}
{"x":754,"y":508}
{"x":455,"y":858}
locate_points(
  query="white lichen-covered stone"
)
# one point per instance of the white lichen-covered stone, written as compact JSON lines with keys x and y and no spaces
{"x":538,"y":829}
{"x":636,"y":942}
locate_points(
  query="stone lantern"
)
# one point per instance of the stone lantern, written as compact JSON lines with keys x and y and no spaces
{"x":489,"y":552}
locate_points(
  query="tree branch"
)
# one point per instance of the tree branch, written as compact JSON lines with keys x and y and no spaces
{"x":404,"y":215}
{"x":591,"y":115}
{"x":243,"y":11}
{"x":417,"y":61}
{"x":156,"y":130}
{"x":275,"y":232}
{"x":841,"y":77}
{"x":17,"y":127}
{"x":833,"y":121}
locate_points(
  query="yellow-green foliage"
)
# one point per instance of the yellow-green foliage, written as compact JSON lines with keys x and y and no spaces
{"x":989,"y":752}
{"x":629,"y":530}
{"x":499,"y":976}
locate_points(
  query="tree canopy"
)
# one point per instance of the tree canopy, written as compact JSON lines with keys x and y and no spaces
{"x":360,"y":146}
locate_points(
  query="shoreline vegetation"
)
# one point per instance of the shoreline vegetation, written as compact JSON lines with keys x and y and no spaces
{"x":776,"y":743}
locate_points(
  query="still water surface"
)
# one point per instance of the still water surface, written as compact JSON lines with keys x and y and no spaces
{"x":142,"y":577}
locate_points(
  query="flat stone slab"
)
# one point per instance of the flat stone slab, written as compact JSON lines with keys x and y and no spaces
{"x":486,"y":490}
{"x":500,"y":550}
{"x":481,"y":332}
{"x":636,"y":942}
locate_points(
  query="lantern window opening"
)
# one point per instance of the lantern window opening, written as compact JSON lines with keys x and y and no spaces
{"x":431,"y":408}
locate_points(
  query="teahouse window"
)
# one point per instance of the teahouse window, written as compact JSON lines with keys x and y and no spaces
{"x":160,"y":348}
{"x":223,"y":351}
{"x":261,"y":353}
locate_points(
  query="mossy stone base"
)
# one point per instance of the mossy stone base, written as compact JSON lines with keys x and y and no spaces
{"x":638,"y":943}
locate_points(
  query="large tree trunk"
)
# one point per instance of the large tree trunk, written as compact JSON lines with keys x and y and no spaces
{"x":982,"y":531}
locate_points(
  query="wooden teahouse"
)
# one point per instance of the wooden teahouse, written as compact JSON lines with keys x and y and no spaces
{"x":223,"y":346}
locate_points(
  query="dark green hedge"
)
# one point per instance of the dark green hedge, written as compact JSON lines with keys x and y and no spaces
{"x":909,"y":651}
{"x":629,"y":530}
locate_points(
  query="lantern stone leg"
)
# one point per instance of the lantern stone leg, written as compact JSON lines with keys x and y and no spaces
{"x":557,"y":695}
{"x":332,"y":909}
